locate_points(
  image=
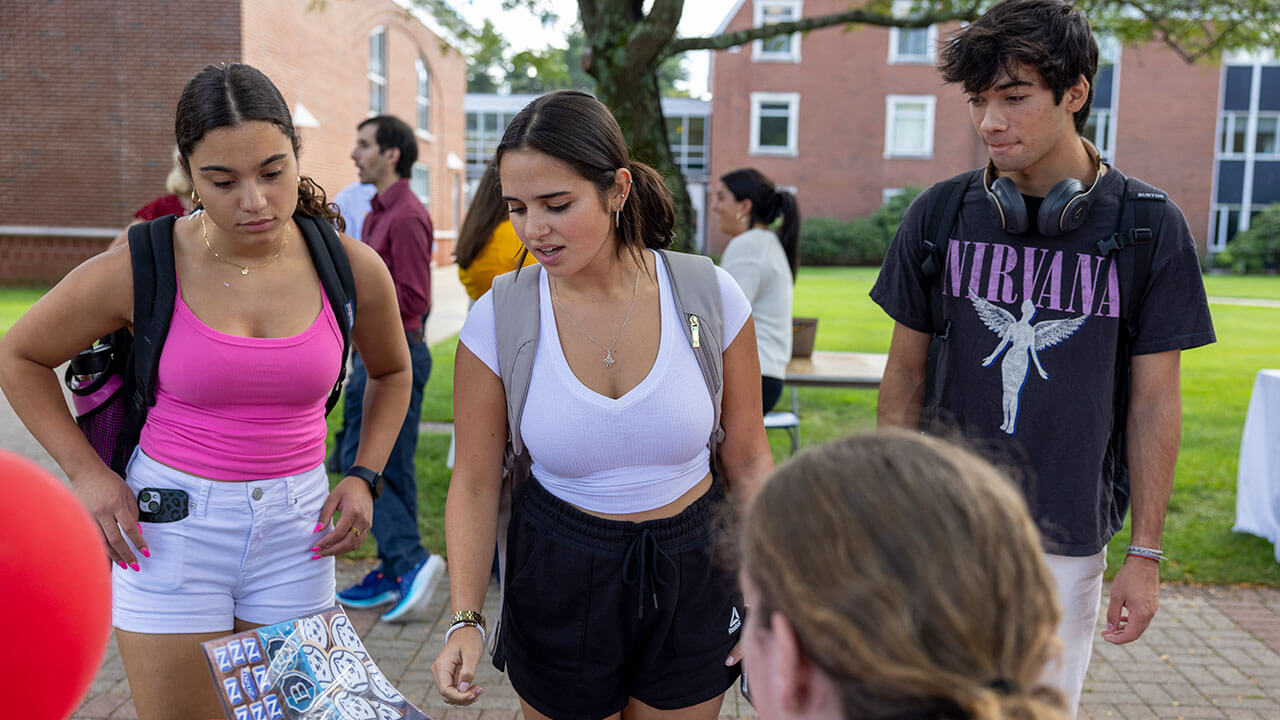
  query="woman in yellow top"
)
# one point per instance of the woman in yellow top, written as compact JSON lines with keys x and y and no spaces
{"x":487,"y":244}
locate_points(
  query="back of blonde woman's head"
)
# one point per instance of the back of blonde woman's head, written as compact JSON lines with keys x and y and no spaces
{"x":911,"y":573}
{"x":177,"y":181}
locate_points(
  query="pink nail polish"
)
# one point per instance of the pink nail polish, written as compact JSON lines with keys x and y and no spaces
{"x":319,"y":527}
{"x":315,"y":549}
{"x":135,"y":567}
{"x":122,"y":565}
{"x":145,"y":552}
{"x":316,"y":557}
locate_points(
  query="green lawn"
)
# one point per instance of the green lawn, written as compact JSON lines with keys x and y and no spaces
{"x":1217,"y":381}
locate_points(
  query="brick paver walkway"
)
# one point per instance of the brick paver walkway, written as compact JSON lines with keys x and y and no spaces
{"x":1211,"y":653}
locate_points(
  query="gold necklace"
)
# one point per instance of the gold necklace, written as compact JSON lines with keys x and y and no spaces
{"x":608,"y":351}
{"x":244,"y":269}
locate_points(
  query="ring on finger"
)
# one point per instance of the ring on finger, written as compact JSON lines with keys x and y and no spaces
{"x":355,"y":531}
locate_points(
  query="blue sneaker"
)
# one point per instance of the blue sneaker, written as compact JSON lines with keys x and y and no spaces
{"x":416,"y":588}
{"x":374,"y":589}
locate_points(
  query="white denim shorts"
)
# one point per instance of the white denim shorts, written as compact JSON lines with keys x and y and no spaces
{"x":243,"y":551}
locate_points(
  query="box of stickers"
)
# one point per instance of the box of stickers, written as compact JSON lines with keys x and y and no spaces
{"x":311,"y":668}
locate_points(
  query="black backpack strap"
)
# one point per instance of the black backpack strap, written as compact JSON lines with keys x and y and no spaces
{"x":1137,"y":230}
{"x":940,"y":220}
{"x":334,"y":269}
{"x":155,"y":288}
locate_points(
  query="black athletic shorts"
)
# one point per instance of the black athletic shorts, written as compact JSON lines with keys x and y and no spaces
{"x":598,"y":611}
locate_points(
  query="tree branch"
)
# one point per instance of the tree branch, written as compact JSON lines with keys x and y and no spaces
{"x":741,"y":37}
{"x":656,"y":30}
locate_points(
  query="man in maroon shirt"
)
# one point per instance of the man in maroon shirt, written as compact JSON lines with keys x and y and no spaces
{"x":400,"y":229}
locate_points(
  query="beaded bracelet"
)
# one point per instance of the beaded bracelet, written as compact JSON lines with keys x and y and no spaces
{"x":1145,"y":552}
{"x":462,"y":624}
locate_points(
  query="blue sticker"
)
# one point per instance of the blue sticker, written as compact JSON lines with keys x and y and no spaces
{"x":251,"y":650}
{"x":247,"y":683}
{"x":299,"y":691}
{"x":232,"y":689}
{"x":274,"y":712}
{"x":237,"y":653}
{"x":257,"y":711}
{"x":222,"y":659}
{"x":261,"y":679}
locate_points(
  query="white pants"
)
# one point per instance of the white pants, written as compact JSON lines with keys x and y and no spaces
{"x":1079,"y":586}
{"x":243,"y":552}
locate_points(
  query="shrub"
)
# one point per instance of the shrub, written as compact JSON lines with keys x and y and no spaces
{"x":860,"y":241}
{"x":1257,"y":249}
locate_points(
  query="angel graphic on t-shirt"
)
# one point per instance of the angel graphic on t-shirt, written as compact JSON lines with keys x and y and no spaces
{"x":1021,"y":342}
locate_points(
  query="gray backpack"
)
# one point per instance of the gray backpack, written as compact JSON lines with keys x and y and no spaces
{"x":696,"y":292}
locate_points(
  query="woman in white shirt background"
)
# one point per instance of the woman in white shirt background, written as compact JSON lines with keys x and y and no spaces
{"x":764,"y":262}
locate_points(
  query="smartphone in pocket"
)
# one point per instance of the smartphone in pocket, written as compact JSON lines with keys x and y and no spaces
{"x":162,"y":505}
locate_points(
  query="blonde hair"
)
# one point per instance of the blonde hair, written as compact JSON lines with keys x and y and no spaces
{"x":911,"y":572}
{"x":177,"y":182}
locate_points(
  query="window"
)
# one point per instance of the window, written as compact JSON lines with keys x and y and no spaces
{"x":1264,"y":139}
{"x":1235,"y":133}
{"x":484,"y":132}
{"x":423,"y":97}
{"x":908,"y":126}
{"x":378,"y":71}
{"x":887,"y":194}
{"x":420,"y":183}
{"x":784,"y":48}
{"x":1226,"y":223}
{"x":774,"y":118}
{"x":687,"y":135}
{"x":1097,"y":130}
{"x":911,"y":45}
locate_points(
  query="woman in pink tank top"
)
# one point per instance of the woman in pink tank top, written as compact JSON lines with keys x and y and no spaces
{"x":225,"y":520}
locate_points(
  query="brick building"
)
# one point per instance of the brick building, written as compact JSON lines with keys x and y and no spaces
{"x":848,"y":117}
{"x":90,"y":91}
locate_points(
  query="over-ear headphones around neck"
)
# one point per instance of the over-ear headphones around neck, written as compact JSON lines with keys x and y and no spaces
{"x":1064,"y":209}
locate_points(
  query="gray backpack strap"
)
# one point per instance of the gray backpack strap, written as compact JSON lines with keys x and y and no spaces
{"x":696,"y":291}
{"x":516,"y":323}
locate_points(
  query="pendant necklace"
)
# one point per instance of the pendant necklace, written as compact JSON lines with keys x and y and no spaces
{"x":244,"y":269}
{"x":608,"y":351}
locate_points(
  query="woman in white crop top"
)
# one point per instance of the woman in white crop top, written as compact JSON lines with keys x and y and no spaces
{"x":613,"y":602}
{"x":243,"y":531}
{"x":746,"y":204}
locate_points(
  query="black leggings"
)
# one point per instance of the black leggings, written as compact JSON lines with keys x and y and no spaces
{"x":770,"y":391}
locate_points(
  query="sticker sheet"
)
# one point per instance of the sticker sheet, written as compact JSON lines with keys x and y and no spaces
{"x":311,"y":668}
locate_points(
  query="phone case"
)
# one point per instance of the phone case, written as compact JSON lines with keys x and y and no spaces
{"x":162,"y":505}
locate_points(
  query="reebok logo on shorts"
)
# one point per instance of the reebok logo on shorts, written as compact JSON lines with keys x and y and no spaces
{"x":735,"y":620}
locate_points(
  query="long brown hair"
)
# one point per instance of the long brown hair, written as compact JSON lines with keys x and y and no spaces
{"x":229,"y":94}
{"x":575,"y":128}
{"x":911,"y":572}
{"x":486,"y":213}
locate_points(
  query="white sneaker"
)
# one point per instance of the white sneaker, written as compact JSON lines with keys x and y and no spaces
{"x":416,"y":588}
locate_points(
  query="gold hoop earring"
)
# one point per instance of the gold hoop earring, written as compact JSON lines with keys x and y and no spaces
{"x":195,"y":199}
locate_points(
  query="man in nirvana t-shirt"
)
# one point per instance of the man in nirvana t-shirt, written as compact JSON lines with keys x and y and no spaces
{"x":1037,"y":320}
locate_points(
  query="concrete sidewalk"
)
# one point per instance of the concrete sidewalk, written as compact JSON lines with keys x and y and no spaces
{"x":1210,"y":653}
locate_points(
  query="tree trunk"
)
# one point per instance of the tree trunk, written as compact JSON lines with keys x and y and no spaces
{"x":625,"y":66}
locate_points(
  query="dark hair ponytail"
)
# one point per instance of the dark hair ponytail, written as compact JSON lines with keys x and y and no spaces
{"x":229,"y":94}
{"x":575,"y":128}
{"x":767,"y":203}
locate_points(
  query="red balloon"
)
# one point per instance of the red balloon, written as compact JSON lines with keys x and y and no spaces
{"x":55,"y":602}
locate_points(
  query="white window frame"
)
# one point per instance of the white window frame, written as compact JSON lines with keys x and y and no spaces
{"x":1104,"y":133}
{"x":1230,"y":122}
{"x":887,"y":194}
{"x":902,"y":8}
{"x":425,"y":169}
{"x":891,"y":105}
{"x":758,"y":53}
{"x":793,"y":122}
{"x":422,"y":98}
{"x":378,"y":79}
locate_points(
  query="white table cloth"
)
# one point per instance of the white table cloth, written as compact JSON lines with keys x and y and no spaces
{"x":1258,"y":483}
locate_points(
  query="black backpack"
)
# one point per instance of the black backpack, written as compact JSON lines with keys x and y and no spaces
{"x":1136,"y":233}
{"x":114,"y":381}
